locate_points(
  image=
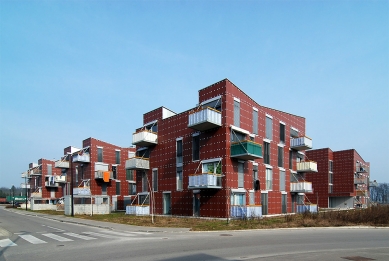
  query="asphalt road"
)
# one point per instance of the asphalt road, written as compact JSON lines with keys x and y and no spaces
{"x":30,"y":237}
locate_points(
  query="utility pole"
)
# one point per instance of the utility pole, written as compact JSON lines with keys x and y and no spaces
{"x":71,"y":184}
{"x":25,"y":184}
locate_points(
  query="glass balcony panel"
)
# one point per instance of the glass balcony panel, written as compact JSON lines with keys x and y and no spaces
{"x":246,"y":150}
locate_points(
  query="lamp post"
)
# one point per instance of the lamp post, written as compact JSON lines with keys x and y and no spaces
{"x":13,"y":196}
{"x":71,"y":184}
{"x":25,"y":185}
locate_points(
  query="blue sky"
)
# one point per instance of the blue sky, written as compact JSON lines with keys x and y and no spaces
{"x":70,"y":70}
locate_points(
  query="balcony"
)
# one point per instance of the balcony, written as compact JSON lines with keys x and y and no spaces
{"x":138,"y":210}
{"x":24,"y":185}
{"x":307,"y":208}
{"x":35,"y":172}
{"x":51,"y":184}
{"x":205,"y":181}
{"x":246,"y":150}
{"x":81,"y":191}
{"x":137,"y":163}
{"x":61,"y":164}
{"x":145,"y":138}
{"x":60,"y":179}
{"x":361,"y":169}
{"x":307,"y":166}
{"x":249,"y":211}
{"x":205,"y":119}
{"x":301,"y":187}
{"x":104,"y":175}
{"x":301,"y":143}
{"x":85,"y":157}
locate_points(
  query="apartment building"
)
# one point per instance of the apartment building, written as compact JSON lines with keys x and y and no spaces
{"x":98,"y":168}
{"x":225,"y":155}
{"x":342,"y":180}
{"x":44,"y":181}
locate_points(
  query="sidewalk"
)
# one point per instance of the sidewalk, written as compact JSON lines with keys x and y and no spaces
{"x":101,"y":224}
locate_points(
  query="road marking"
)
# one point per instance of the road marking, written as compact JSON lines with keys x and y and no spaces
{"x":60,"y":230}
{"x":80,"y":236}
{"x":56,"y":237}
{"x":100,"y":235}
{"x":32,"y":239}
{"x":6,"y":243}
{"x":118,"y":233}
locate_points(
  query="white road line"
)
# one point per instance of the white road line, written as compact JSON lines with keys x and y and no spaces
{"x":100,"y":235}
{"x":56,"y":237}
{"x":129,"y":234}
{"x":6,"y":243}
{"x":60,"y":230}
{"x":32,"y":239}
{"x":80,"y":236}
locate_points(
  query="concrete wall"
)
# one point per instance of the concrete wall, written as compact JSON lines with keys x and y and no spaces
{"x":341,"y":202}
{"x":100,"y":207}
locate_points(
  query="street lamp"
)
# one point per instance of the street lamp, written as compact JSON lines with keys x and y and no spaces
{"x":71,"y":183}
{"x":13,"y":196}
{"x":25,"y":186}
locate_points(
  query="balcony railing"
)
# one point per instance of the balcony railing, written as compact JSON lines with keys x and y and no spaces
{"x":248,"y":211}
{"x":360,"y":181}
{"x":105,"y":175}
{"x":138,"y":163}
{"x":51,"y":184}
{"x":61,"y":164}
{"x":301,"y":187}
{"x":144,"y":138}
{"x":204,"y":181}
{"x":307,"y":208}
{"x":85,"y":157}
{"x":307,"y":166}
{"x":81,"y":191}
{"x":60,"y":179}
{"x":205,"y":119}
{"x":246,"y":150}
{"x":35,"y":172}
{"x":361,"y":169}
{"x":139,"y":210}
{"x":36,"y":194}
{"x":301,"y":143}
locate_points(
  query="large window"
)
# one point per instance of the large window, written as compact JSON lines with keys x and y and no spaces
{"x":196,"y":147}
{"x":117,"y":187}
{"x":237,"y":136}
{"x":131,"y":189}
{"x":144,"y":182}
{"x":114,"y":173}
{"x":280,"y":156}
{"x":266,"y":152}
{"x":144,"y":199}
{"x":99,"y":154}
{"x":129,"y":174}
{"x":255,"y":121}
{"x":240,"y":175}
{"x":330,"y":166}
{"x":155,"y":179}
{"x":290,"y":159}
{"x":282,"y":133}
{"x":214,"y":167}
{"x":237,"y":113}
{"x":117,"y":156}
{"x":179,"y":178}
{"x":269,"y":179}
{"x":179,"y":151}
{"x":49,"y":169}
{"x":238,"y":199}
{"x":282,"y":180}
{"x":269,"y":128}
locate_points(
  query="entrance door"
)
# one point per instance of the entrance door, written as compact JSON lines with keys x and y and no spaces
{"x":196,"y":204}
{"x":166,"y":204}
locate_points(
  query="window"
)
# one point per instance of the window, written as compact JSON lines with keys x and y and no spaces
{"x":330,"y":166}
{"x":117,"y":187}
{"x":269,"y":179}
{"x":129,"y":174}
{"x":269,"y":128}
{"x":196,"y":147}
{"x":282,"y":133}
{"x":238,"y":199}
{"x":264,"y":203}
{"x":99,"y":154}
{"x":155,"y":179}
{"x":144,"y":199}
{"x":104,"y":189}
{"x":281,"y":157}
{"x":131,"y":189}
{"x":290,"y":159}
{"x":236,"y":113}
{"x":179,"y":178}
{"x":179,"y":151}
{"x":214,"y":167}
{"x":49,"y":169}
{"x":294,"y":133}
{"x":76,"y":176}
{"x":144,"y":182}
{"x":255,"y":121}
{"x":255,"y":177}
{"x":330,"y":188}
{"x":251,"y":198}
{"x":82,"y":171}
{"x":266,"y":152}
{"x":330,"y":178}
{"x":282,"y":180}
{"x":237,"y":136}
{"x":117,"y":156}
{"x":240,"y":175}
{"x":114,"y":174}
{"x":216,"y":104}
{"x":143,"y":153}
{"x":152,"y":127}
